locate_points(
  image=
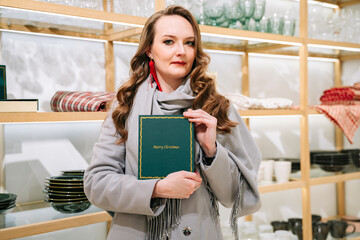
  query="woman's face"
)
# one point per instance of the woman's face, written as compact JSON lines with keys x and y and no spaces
{"x":173,"y":48}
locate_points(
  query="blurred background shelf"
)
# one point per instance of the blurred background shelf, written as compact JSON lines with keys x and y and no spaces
{"x":40,"y":217}
{"x":22,"y":117}
{"x":28,"y":117}
{"x":335,"y":178}
{"x":293,"y":184}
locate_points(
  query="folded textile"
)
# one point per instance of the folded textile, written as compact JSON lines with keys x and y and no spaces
{"x":340,"y":94}
{"x":342,"y":102}
{"x":242,"y":102}
{"x":77,"y":101}
{"x":347,"y":117}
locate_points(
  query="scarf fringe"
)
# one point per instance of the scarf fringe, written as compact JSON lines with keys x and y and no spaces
{"x":214,"y":209}
{"x":235,"y":211}
{"x":159,"y":227}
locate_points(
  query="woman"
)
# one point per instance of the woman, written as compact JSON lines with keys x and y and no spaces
{"x":168,"y":76}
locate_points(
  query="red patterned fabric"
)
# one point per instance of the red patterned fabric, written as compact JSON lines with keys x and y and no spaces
{"x":67,"y":101}
{"x":344,"y":116}
{"x":340,"y":94}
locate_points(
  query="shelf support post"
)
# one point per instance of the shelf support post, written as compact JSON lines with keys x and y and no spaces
{"x":304,"y":122}
{"x":245,"y":86}
{"x":339,"y":144}
{"x":109,"y":52}
{"x":159,"y":5}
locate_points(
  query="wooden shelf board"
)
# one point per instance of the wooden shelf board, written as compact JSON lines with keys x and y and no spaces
{"x":39,"y":6}
{"x":250,"y":35}
{"x":335,"y":179}
{"x":26,"y":117}
{"x":53,"y":225}
{"x":274,"y":112}
{"x":123,"y":19}
{"x":340,"y":3}
{"x":18,"y":117}
{"x":269,"y":112}
{"x":281,"y":186}
{"x":347,"y":46}
{"x":53,"y":30}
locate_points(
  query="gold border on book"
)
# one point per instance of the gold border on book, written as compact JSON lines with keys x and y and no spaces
{"x":140,"y":151}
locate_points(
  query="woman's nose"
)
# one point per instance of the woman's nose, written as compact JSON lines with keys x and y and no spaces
{"x":180,"y":50}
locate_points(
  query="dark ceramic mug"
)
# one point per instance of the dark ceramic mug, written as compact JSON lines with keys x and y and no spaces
{"x":320,"y":230}
{"x":280,"y":225}
{"x":293,"y":223}
{"x":299,"y":230}
{"x":338,"y":228}
{"x":315,"y":218}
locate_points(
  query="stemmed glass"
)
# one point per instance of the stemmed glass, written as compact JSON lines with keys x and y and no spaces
{"x":214,"y":12}
{"x":259,"y":12}
{"x":197,"y":9}
{"x":357,"y":26}
{"x":234,"y":13}
{"x":249,"y":8}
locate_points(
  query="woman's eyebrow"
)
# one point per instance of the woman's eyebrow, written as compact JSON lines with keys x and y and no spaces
{"x":172,"y":36}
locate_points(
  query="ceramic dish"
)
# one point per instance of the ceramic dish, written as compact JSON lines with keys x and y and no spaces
{"x":64,"y":184}
{"x":4,"y":197}
{"x":3,"y":210}
{"x":354,"y":155}
{"x":332,"y":168}
{"x":73,"y":173}
{"x":65,"y":179}
{"x":64,"y":196}
{"x":63,"y":192}
{"x":65,"y":200}
{"x":65,"y":189}
{"x":5,"y":205}
{"x":71,"y":207}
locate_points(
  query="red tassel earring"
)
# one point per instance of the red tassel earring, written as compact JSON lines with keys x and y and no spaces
{"x":153,"y":73}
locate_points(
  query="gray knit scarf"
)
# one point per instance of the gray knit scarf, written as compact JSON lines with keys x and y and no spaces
{"x":150,"y":101}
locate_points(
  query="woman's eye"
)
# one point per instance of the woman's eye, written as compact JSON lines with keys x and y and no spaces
{"x":168,"y":42}
{"x":190,"y":43}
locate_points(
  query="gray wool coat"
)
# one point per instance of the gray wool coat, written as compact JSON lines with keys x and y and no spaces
{"x":110,"y":181}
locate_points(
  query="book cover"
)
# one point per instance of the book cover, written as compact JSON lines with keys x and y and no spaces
{"x":3,"y":94}
{"x":166,"y":145}
{"x":19,"y":105}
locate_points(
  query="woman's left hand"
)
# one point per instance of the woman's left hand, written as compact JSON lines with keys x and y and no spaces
{"x":205,"y":128}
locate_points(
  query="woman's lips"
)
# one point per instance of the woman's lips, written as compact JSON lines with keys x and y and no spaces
{"x":179,"y":63}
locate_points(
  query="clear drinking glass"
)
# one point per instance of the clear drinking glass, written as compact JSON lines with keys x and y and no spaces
{"x":289,"y":23}
{"x":259,"y":12}
{"x":276,"y":24}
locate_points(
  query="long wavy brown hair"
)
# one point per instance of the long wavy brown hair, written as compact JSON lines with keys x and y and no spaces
{"x":207,"y":98}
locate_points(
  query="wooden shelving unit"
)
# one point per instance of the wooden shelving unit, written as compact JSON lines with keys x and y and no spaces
{"x":127,"y":28}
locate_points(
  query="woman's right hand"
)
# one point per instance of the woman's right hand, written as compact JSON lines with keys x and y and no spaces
{"x":178,"y":185}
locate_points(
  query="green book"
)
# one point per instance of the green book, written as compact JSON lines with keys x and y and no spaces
{"x":3,"y":82}
{"x":166,"y":145}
